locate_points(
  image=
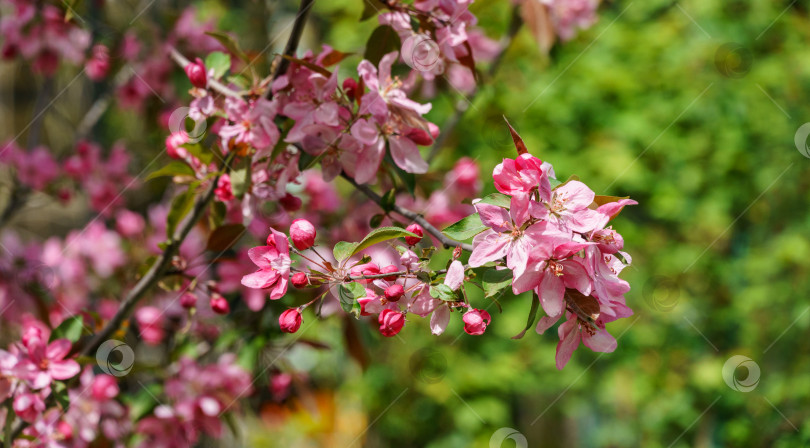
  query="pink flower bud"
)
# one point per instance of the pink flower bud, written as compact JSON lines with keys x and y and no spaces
{"x":416,"y":229}
{"x":219,"y":304}
{"x":387,"y":269}
{"x":394,"y":292}
{"x":99,"y":63}
{"x":196,"y":74}
{"x":391,"y":322}
{"x":290,"y":320}
{"x":290,"y":203}
{"x":302,"y":233}
{"x":300,"y":280}
{"x":476,"y":321}
{"x":188,"y":300}
{"x":419,"y":136}
{"x":223,"y":192}
{"x":105,"y":387}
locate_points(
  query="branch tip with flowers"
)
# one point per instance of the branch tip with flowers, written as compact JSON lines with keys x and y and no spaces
{"x":260,"y":148}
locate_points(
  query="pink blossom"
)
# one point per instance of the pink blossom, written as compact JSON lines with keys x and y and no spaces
{"x":273,"y":261}
{"x":98,"y":65}
{"x":568,"y":208}
{"x":128,"y":223}
{"x":223,"y":192}
{"x":28,"y":406}
{"x":570,"y":15}
{"x":46,"y":362}
{"x":251,"y":124}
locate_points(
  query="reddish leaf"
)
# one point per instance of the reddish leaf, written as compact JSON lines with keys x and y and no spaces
{"x":586,"y":307}
{"x":223,"y":237}
{"x":519,"y":145}
{"x":602,"y":200}
{"x":309,"y":65}
{"x":334,"y":57}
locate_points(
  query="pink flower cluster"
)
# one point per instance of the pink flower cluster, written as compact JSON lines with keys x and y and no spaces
{"x":556,"y":240}
{"x":197,"y":397}
{"x":41,"y":35}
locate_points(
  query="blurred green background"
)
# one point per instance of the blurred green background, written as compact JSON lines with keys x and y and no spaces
{"x":649,"y":103}
{"x":689,"y":107}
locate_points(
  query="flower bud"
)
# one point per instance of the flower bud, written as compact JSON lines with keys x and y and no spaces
{"x":188,"y":300}
{"x":476,"y":321}
{"x":219,"y":304}
{"x":290,"y":320}
{"x":300,"y":280}
{"x":350,"y":87}
{"x":391,"y":322}
{"x":416,"y":229}
{"x":104,"y":387}
{"x":196,"y":74}
{"x":290,"y":203}
{"x":394,"y":292}
{"x":387,"y":269}
{"x":419,"y":136}
{"x":364,"y":269}
{"x":302,"y":233}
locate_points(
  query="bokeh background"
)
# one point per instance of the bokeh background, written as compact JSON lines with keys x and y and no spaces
{"x":689,"y":107}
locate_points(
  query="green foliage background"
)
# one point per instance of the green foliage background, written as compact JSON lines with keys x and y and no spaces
{"x":635,"y":106}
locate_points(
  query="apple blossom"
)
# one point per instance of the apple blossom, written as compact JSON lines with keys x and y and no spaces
{"x":476,"y":321}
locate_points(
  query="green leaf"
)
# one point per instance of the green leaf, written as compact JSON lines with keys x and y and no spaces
{"x":230,"y":43}
{"x":240,"y":177}
{"x":196,"y":149}
{"x":388,"y":200}
{"x":532,"y":317}
{"x":223,"y":237}
{"x":173,"y":168}
{"x":219,"y":62}
{"x":348,"y":293}
{"x":443,"y":292}
{"x":343,"y":250}
{"x":495,"y":281}
{"x":465,"y":228}
{"x":70,"y":329}
{"x":380,"y":235}
{"x":376,"y":220}
{"x":181,"y":205}
{"x":382,"y":40}
{"x":499,"y":199}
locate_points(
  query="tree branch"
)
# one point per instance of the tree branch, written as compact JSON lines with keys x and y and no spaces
{"x":292,"y":42}
{"x":413,"y":216}
{"x":463,"y":104}
{"x":157,"y":270}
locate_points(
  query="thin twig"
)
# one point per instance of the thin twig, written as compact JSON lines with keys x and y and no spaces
{"x":182,"y":61}
{"x":292,"y":43}
{"x":413,"y":216}
{"x":463,"y":104}
{"x":157,"y":270}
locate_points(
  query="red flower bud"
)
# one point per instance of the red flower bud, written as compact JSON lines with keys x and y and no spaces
{"x":290,"y":203}
{"x":300,"y":280}
{"x":219,"y":304}
{"x":476,"y":321}
{"x":387,"y":269}
{"x":188,"y":300}
{"x":290,"y":320}
{"x":302,"y":233}
{"x":419,"y":136}
{"x":350,"y":87}
{"x":391,"y":322}
{"x":394,"y":292}
{"x":416,"y":229}
{"x":196,"y":74}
